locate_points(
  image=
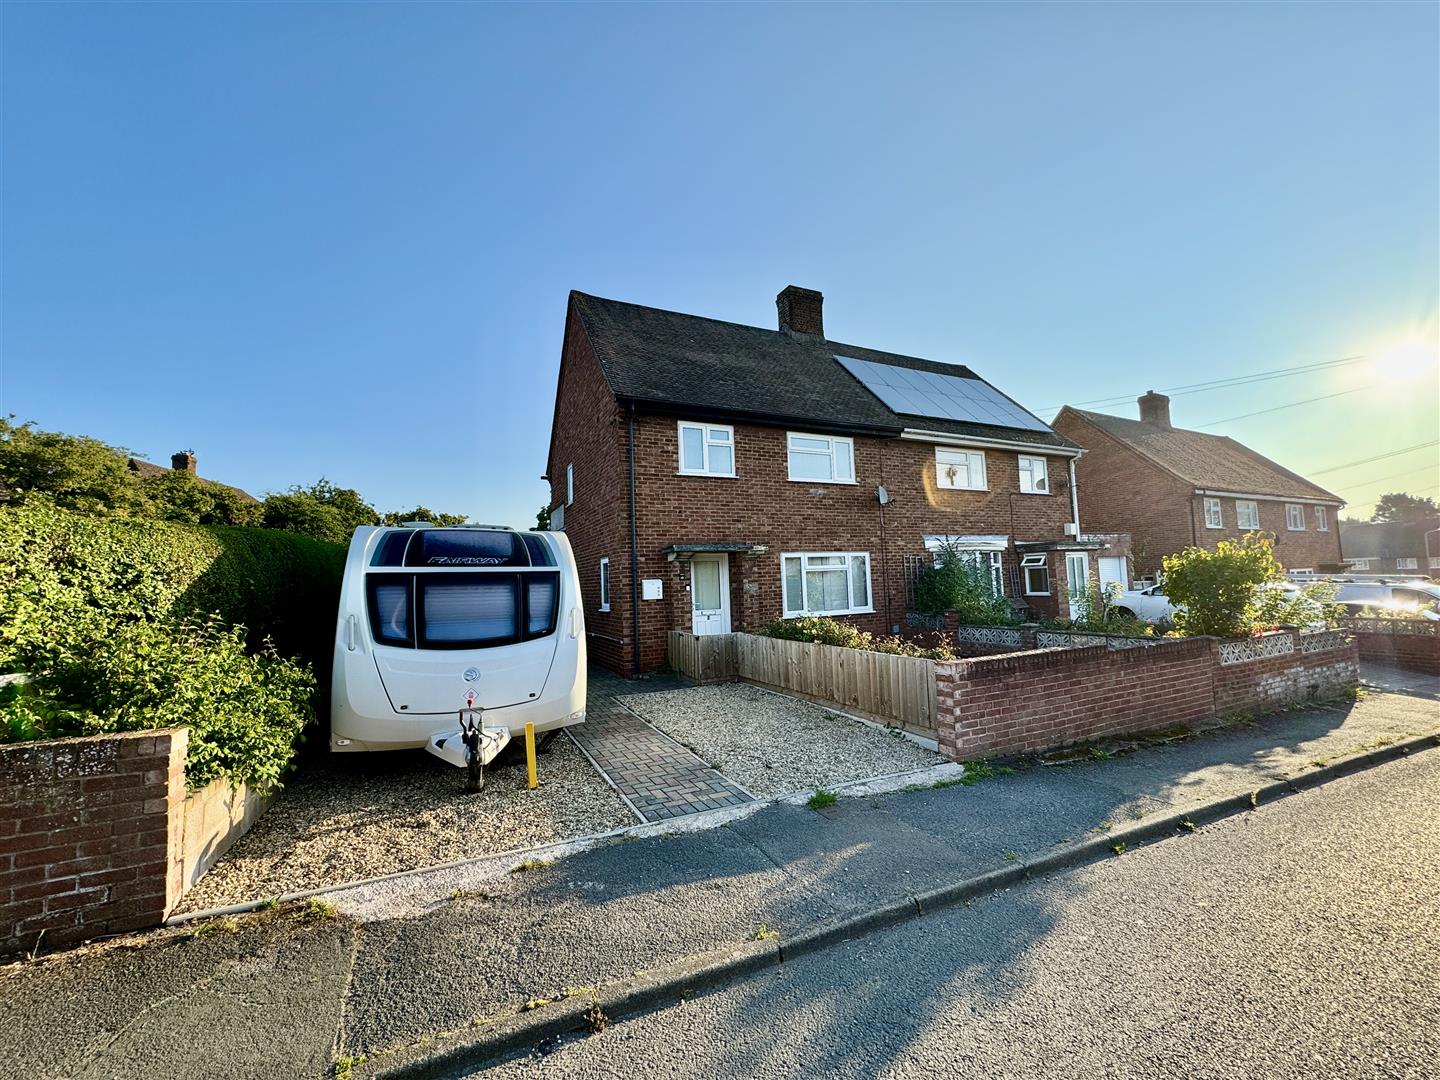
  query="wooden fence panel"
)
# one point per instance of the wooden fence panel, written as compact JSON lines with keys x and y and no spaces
{"x":704,"y":658}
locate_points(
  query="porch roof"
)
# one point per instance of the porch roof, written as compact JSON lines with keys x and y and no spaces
{"x":1067,"y":544}
{"x":719,"y":547}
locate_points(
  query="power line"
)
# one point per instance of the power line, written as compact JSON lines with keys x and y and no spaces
{"x":1220,"y":384}
{"x":1287,"y":405}
{"x":1392,"y":476}
{"x":1377,"y":457}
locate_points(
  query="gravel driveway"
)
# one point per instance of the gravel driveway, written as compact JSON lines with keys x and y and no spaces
{"x":773,"y":744}
{"x":363,"y":815}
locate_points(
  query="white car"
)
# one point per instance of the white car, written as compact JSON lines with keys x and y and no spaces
{"x":1410,"y":597}
{"x":1152,"y":605}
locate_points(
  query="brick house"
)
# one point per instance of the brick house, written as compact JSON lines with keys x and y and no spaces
{"x":182,"y":461}
{"x":1172,"y":489}
{"x":713,"y":476}
{"x":1392,"y":547}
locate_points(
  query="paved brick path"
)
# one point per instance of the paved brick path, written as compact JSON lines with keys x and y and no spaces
{"x":659,"y":777}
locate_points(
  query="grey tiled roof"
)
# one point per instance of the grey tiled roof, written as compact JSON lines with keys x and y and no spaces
{"x":1213,"y":462}
{"x":680,"y":362}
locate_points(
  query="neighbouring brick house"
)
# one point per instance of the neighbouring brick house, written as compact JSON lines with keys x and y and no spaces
{"x":1392,"y":547}
{"x":713,"y":476}
{"x":183,"y":461}
{"x":1172,"y":489}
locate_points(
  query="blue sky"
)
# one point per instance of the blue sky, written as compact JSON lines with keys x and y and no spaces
{"x":337,"y":240}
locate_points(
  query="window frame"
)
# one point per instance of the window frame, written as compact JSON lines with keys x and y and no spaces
{"x":1034,"y":459}
{"x":705,"y":443}
{"x":1294,"y":512}
{"x":605,"y":583}
{"x":1219,"y":522}
{"x":970,"y":459}
{"x":1031,"y":562}
{"x":570,"y":484}
{"x":1407,"y":563}
{"x":1255,"y":515}
{"x":786,"y":612}
{"x":791,"y":436}
{"x":1322,"y":519}
{"x":415,"y":606}
{"x":1359,"y":564}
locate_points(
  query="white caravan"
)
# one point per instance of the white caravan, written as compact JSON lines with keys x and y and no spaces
{"x":437,"y":621}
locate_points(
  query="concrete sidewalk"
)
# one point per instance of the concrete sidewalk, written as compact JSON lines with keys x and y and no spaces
{"x":284,"y":993}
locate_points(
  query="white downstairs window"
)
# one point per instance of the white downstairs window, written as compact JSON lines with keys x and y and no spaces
{"x":706,"y":449}
{"x":825,"y":583}
{"x":1034,"y":476}
{"x":824,"y":459}
{"x":1247,"y":514}
{"x":962,"y":469}
{"x":605,"y":584}
{"x":1037,"y":575}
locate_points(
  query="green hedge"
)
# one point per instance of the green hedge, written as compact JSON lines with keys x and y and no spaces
{"x":130,"y":624}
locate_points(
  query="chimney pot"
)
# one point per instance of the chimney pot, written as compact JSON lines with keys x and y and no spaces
{"x":1155,"y":409}
{"x":184,"y":461}
{"x":800,"y":311}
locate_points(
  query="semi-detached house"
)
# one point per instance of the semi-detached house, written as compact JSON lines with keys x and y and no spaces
{"x":713,"y":476}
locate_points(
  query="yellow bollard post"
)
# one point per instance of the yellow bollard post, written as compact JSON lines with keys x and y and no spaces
{"x":530,"y":755}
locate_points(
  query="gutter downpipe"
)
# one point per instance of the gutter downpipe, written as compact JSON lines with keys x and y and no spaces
{"x":634,"y":547}
{"x":1074,"y":500}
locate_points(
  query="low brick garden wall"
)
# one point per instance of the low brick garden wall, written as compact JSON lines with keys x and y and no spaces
{"x":1412,"y":644}
{"x":99,"y":836}
{"x":1037,"y":700}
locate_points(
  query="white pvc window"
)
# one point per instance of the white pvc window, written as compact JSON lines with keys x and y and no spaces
{"x":825,"y":583}
{"x":604,"y":584}
{"x":1358,"y":564}
{"x":1322,"y":519}
{"x":569,"y":484}
{"x":707,"y":449}
{"x":1034,"y":476}
{"x":1247,"y":514}
{"x":1036,"y":571}
{"x":1407,"y":564}
{"x":1294,"y":517}
{"x":1213,"y":520}
{"x":962,"y":469}
{"x":826,"y":459}
{"x":1434,"y":561}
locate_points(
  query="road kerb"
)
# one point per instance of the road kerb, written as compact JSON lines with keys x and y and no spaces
{"x":709,"y":971}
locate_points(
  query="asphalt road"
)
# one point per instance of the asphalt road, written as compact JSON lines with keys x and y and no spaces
{"x":1302,"y":940}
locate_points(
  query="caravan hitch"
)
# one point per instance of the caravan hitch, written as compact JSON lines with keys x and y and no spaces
{"x":471,"y":723}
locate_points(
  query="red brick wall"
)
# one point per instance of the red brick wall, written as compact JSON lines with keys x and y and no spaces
{"x":1122,"y":491}
{"x":1001,"y":705}
{"x":1028,"y":701}
{"x":1413,"y":652}
{"x":589,"y":434}
{"x":87,"y":828}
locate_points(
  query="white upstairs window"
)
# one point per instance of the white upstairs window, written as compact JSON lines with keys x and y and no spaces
{"x":825,"y":459}
{"x":707,"y":449}
{"x":963,"y":469}
{"x":1247,"y":514}
{"x":1294,"y":517}
{"x":569,"y":484}
{"x":1213,"y":520}
{"x":825,"y":583}
{"x":1322,"y":519}
{"x":604,"y":584}
{"x":1358,"y":564}
{"x":1034,"y":477}
{"x":1407,"y":564}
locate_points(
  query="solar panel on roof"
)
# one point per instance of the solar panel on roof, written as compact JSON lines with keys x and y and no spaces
{"x":947,"y":397}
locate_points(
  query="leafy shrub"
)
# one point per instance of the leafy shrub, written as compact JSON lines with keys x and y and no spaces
{"x":76,"y":472}
{"x":1217,"y":591}
{"x":960,"y":584}
{"x":322,"y":511}
{"x":823,"y":631}
{"x":1096,"y":613}
{"x":127,"y":624}
{"x":1313,"y":604}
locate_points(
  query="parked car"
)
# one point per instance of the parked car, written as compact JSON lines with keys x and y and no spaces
{"x":1151,"y":604}
{"x":1417,"y":597}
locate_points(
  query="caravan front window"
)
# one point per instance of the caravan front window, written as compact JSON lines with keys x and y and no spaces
{"x":390,"y":608}
{"x":467,"y":612}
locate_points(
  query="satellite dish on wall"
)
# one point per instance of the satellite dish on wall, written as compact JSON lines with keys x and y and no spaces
{"x":883,"y":495}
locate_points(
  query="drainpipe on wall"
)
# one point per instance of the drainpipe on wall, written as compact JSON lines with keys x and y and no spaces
{"x":634,"y":548}
{"x":1074,"y":501}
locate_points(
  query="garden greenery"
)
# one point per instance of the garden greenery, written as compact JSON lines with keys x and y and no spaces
{"x":1218,"y":592}
{"x":823,"y":631}
{"x":124,"y":625}
{"x":959,"y":583}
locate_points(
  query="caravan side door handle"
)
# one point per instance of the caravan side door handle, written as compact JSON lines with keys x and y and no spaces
{"x":350,"y":633}
{"x":574,"y":622}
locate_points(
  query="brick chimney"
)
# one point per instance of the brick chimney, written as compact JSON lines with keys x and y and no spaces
{"x":184,"y":461}
{"x":800,"y":311}
{"x":1155,"y":410}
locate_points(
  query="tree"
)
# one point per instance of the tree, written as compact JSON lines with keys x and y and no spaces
{"x":323,"y":511}
{"x":542,"y":519}
{"x":422,"y":513}
{"x":77,"y":472}
{"x":177,"y":495}
{"x":1398,"y":506}
{"x":1216,"y":591}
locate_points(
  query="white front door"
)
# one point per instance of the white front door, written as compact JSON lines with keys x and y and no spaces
{"x":710,"y":594}
{"x":1113,"y":569}
{"x":1077,"y":574}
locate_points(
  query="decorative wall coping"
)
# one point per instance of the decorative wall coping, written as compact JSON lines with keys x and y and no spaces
{"x":1393,"y":627}
{"x":1070,"y":639}
{"x":1320,"y":640}
{"x":1247,"y":650}
{"x":989,"y":635}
